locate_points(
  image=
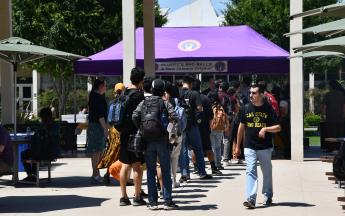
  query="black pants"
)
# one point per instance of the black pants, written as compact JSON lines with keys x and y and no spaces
{"x":30,"y":169}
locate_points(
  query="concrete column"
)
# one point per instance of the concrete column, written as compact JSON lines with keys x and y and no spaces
{"x":296,"y":84}
{"x":311,"y":88}
{"x":6,"y":70}
{"x":149,"y":37}
{"x":36,"y":81}
{"x":128,"y":33}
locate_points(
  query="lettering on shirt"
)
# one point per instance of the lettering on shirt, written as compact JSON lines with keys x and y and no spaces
{"x":256,"y":119}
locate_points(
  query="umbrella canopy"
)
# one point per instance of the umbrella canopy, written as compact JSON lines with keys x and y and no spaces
{"x":332,"y":45}
{"x":240,"y":48}
{"x":330,"y":28}
{"x":319,"y":54}
{"x":17,"y":50}
{"x":333,"y":10}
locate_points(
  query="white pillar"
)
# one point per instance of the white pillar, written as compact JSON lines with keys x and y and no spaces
{"x":128,"y":33}
{"x":89,"y":84}
{"x":6,"y":70}
{"x":311,"y":88}
{"x":149,"y":37}
{"x":296,"y":84}
{"x":35,"y":90}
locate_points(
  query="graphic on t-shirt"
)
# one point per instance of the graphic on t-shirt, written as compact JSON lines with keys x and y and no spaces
{"x":256,"y":119}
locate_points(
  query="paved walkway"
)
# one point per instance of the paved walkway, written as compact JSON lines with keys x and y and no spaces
{"x":299,"y":189}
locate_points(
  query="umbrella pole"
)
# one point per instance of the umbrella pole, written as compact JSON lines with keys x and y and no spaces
{"x":15,"y":98}
{"x":74,"y":99}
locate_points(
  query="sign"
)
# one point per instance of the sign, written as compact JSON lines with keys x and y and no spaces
{"x":192,"y":67}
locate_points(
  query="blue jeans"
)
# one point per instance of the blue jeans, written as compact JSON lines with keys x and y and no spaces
{"x":216,"y":143}
{"x":192,"y":138}
{"x":161,"y":149}
{"x":264,"y":157}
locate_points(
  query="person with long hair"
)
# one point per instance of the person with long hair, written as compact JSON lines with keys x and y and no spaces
{"x":97,"y":132}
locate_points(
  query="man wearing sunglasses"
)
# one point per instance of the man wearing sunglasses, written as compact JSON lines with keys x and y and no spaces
{"x":257,"y":123}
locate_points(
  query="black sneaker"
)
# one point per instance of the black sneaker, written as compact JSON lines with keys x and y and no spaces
{"x":124,"y":201}
{"x":143,"y":194}
{"x":170,"y":205}
{"x":204,"y":177}
{"x":267,"y":202}
{"x":217,"y":172}
{"x":30,"y":178}
{"x":183,"y":179}
{"x":220,"y":168}
{"x":138,"y":201}
{"x":249,"y":204}
{"x":153,"y":206}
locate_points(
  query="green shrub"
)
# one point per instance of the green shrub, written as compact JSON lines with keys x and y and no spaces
{"x":311,"y":119}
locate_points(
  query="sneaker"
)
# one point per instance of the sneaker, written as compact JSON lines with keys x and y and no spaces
{"x":241,"y":161}
{"x":249,"y":204}
{"x":97,"y":179}
{"x":267,"y":202}
{"x":138,"y":201}
{"x":176,"y":185}
{"x":143,"y":194}
{"x":203,"y":177}
{"x":124,"y":201}
{"x":216,"y":172}
{"x":30,"y":178}
{"x":183,"y":179}
{"x":170,"y":205}
{"x":106,"y":179}
{"x":161,"y":195}
{"x":152,"y":206}
{"x":196,"y":172}
{"x":226,"y":163}
{"x":220,"y":168}
{"x":234,"y":161}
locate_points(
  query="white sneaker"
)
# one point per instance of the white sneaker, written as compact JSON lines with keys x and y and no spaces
{"x":234,"y":161}
{"x":226,"y":163}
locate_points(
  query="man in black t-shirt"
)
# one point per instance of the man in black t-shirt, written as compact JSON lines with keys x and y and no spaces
{"x":130,"y":159}
{"x":257,"y":121}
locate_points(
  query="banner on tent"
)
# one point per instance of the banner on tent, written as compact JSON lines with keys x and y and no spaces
{"x":192,"y":67}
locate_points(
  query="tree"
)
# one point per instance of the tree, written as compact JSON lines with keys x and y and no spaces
{"x":82,"y":27}
{"x":271,"y":19}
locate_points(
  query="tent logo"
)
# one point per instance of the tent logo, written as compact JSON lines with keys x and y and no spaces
{"x":189,"y":45}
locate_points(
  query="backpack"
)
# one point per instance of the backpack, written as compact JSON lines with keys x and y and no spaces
{"x":339,"y":164}
{"x":182,"y":118}
{"x":154,"y":119}
{"x":219,"y":120}
{"x":273,"y":102}
{"x":117,"y":111}
{"x":43,"y":145}
{"x":227,"y":106}
{"x":185,"y":104}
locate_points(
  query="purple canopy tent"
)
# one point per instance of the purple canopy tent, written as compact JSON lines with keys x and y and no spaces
{"x":231,"y":49}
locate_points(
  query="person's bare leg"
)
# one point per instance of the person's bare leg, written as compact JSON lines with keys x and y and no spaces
{"x":138,"y":175}
{"x":125,"y":169}
{"x":159,"y":176}
{"x":210,"y":155}
{"x":95,"y":158}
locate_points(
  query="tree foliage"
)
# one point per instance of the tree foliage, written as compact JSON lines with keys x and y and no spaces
{"x":82,"y":27}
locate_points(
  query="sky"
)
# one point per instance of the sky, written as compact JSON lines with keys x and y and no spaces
{"x":219,"y":5}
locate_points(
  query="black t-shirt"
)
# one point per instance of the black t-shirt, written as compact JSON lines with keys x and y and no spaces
{"x":134,"y":100}
{"x":255,"y":118}
{"x":194,"y":101}
{"x":207,"y":113}
{"x":98,"y":107}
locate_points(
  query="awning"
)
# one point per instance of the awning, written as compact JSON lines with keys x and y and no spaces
{"x":334,"y":10}
{"x":330,"y":28}
{"x":319,"y":54}
{"x":331,"y":45}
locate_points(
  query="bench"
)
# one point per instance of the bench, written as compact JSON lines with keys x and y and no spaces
{"x":38,"y":164}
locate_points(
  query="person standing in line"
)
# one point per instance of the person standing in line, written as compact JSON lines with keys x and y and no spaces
{"x":97,"y":132}
{"x":130,"y":159}
{"x":258,"y":121}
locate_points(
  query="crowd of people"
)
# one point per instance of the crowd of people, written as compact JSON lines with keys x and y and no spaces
{"x":160,"y":126}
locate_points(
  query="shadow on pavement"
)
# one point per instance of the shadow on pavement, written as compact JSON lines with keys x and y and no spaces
{"x":188,"y":196}
{"x":200,"y":185}
{"x":41,"y":204}
{"x":288,"y":204}
{"x":196,"y":190}
{"x":198,"y":207}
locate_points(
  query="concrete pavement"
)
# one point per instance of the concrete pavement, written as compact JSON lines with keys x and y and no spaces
{"x":299,"y":189}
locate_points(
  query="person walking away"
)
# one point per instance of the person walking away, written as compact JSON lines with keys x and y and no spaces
{"x":152,"y":116}
{"x":133,"y":96}
{"x":257,"y":122}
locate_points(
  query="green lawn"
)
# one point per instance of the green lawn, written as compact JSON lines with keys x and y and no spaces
{"x":314,"y":141}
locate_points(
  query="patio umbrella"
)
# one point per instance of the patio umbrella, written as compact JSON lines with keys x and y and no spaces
{"x":329,"y":29}
{"x":331,"y":45}
{"x":15,"y":51}
{"x":333,"y":10}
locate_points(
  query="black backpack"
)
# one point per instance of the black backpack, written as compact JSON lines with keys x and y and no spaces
{"x":339,"y":164}
{"x":153,"y":119}
{"x":117,"y":114}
